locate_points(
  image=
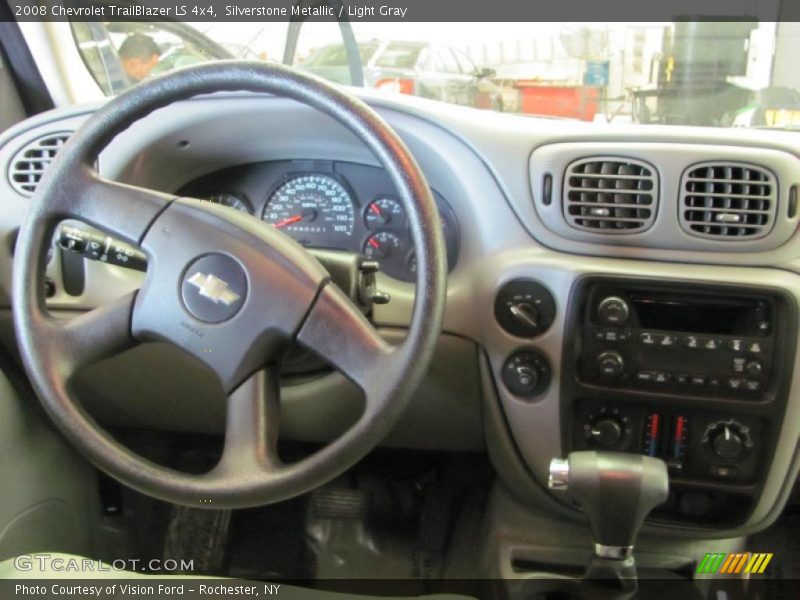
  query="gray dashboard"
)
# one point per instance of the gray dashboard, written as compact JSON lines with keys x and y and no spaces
{"x":486,"y":167}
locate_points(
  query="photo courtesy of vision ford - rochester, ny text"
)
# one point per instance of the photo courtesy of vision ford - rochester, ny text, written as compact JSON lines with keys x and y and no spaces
{"x":452,"y":300}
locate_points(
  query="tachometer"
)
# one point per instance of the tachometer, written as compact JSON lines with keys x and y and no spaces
{"x":315,"y":209}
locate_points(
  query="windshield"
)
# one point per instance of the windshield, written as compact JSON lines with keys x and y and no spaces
{"x":722,"y":74}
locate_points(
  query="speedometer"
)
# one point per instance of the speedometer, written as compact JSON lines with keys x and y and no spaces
{"x":315,"y":209}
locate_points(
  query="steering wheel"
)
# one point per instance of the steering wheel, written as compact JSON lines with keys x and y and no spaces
{"x":227,"y":289}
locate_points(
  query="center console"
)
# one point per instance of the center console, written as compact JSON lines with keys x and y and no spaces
{"x":697,"y":375}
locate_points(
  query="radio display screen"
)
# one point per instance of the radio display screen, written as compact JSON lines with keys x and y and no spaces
{"x":718,"y":316}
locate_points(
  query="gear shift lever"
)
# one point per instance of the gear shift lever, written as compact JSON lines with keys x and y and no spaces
{"x":616,"y":491}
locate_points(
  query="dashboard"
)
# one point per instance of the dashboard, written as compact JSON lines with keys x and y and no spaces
{"x":544,"y":249}
{"x":330,"y":205}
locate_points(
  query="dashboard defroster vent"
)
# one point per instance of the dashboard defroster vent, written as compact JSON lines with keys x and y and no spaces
{"x":610,"y":195}
{"x":29,"y":164}
{"x":723,"y":200}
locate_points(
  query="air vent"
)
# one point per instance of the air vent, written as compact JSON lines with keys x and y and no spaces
{"x":26,"y":169}
{"x":610,"y":195}
{"x":728,"y":201}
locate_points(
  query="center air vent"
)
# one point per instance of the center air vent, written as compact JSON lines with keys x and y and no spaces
{"x":610,"y":195}
{"x":728,"y":200}
{"x":29,"y":164}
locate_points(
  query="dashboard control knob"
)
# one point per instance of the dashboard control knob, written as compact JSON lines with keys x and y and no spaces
{"x":728,"y":439}
{"x":524,"y":308}
{"x":610,"y":363}
{"x":606,"y":432}
{"x":613,"y":311}
{"x":727,"y":443}
{"x":526,"y":373}
{"x":753,"y":368}
{"x":527,"y":377}
{"x":526,"y":314}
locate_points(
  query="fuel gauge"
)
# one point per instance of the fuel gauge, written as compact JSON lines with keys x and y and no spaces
{"x":382,"y":245}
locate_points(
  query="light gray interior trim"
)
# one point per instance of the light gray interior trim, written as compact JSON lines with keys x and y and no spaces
{"x":47,"y":495}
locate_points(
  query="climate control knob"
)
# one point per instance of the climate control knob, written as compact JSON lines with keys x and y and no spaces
{"x":727,"y":443}
{"x":606,"y":432}
{"x":728,"y":439}
{"x":610,"y":363}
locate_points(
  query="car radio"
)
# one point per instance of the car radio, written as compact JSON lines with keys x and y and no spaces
{"x":678,"y":341}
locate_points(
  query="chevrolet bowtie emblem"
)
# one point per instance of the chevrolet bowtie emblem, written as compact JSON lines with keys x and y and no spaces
{"x":213,"y":288}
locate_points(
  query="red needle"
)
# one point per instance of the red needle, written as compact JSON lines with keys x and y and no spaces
{"x":374,"y":243}
{"x":374,"y":208}
{"x":288,"y":221}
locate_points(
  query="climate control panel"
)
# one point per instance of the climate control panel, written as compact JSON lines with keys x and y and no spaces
{"x":695,"y":444}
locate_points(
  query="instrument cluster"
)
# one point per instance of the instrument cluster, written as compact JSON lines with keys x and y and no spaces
{"x":328,"y":204}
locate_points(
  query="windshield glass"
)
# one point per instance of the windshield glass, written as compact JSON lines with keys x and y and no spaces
{"x":722,"y":74}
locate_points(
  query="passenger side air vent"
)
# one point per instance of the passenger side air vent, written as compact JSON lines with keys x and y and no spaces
{"x":728,"y":200}
{"x":610,"y":195}
{"x":29,"y":164}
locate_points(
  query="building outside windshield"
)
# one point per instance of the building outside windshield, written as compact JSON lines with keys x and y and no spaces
{"x":719,"y":74}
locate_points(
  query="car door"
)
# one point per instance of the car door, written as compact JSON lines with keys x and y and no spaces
{"x":457,"y":85}
{"x":470,"y":80}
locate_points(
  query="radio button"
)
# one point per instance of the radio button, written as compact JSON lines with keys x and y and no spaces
{"x":645,"y":376}
{"x":735,"y":345}
{"x":691,"y":341}
{"x":697,"y":380}
{"x":661,"y":378}
{"x":735,"y":383}
{"x":668,"y":340}
{"x":681,"y":379}
{"x":648,"y":338}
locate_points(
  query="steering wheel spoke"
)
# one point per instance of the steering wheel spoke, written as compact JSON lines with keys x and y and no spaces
{"x":100,"y":333}
{"x":337,"y":331}
{"x":252,"y":423}
{"x":124,"y":210}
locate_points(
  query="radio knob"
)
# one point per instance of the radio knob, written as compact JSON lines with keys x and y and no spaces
{"x":727,"y":443}
{"x":610,"y":363}
{"x":606,"y":432}
{"x":753,"y":368}
{"x":613,"y":311}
